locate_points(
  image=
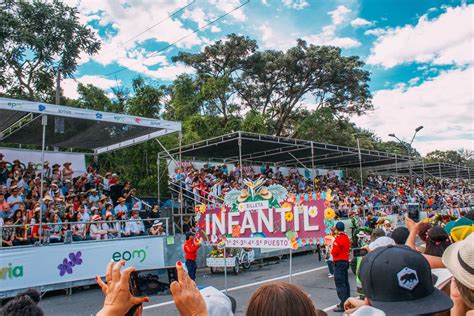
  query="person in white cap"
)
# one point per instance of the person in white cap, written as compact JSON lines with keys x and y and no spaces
{"x":157,"y":228}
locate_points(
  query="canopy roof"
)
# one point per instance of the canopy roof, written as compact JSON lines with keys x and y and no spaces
{"x":258,"y":149}
{"x":69,"y":127}
{"x":441,"y":170}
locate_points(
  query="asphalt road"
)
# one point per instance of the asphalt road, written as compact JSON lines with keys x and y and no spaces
{"x":308,"y":273}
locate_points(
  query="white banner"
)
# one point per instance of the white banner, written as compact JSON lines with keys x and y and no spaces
{"x":25,"y":156}
{"x":36,"y":266}
{"x":172,"y":165}
{"x":274,"y":243}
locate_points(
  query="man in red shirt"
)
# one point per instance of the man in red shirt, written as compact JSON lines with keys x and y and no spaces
{"x":191,"y":247}
{"x":340,"y":253}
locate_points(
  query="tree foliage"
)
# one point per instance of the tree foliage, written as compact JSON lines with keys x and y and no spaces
{"x":35,"y":39}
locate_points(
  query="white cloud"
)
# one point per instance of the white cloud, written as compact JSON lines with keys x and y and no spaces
{"x":443,"y":105}
{"x":69,"y":85}
{"x":275,"y":40}
{"x":197,"y":15}
{"x":360,"y":22}
{"x":229,"y":5}
{"x":339,"y":15}
{"x":445,"y":40}
{"x":376,"y":32}
{"x":295,"y":4}
{"x":328,"y":37}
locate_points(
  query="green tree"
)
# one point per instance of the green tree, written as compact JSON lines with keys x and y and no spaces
{"x":217,"y":66}
{"x":92,"y":97}
{"x":275,"y":84}
{"x":146,"y":100}
{"x":449,"y":156}
{"x":35,"y":39}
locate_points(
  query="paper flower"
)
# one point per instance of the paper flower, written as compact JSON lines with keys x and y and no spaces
{"x":291,"y":198}
{"x":289,"y":234}
{"x":202,"y":208}
{"x":326,"y":204}
{"x":289,"y":216}
{"x":329,"y":197}
{"x":286,"y":205}
{"x":294,"y":243}
{"x":329,"y":214}
{"x":318,"y":195}
{"x":241,"y":207}
{"x":313,"y":211}
{"x":236,"y":231}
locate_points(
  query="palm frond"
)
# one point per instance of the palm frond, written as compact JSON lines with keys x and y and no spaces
{"x":231,"y":197}
{"x":278,"y":192}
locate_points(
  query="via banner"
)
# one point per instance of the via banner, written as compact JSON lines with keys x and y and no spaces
{"x":265,"y":217}
{"x":41,"y":266}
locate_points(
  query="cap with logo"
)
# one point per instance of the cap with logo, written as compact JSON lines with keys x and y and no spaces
{"x":398,"y":280}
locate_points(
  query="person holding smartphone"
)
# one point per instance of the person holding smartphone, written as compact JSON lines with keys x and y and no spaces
{"x":191,"y":247}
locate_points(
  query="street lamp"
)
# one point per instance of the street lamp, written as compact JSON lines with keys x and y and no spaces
{"x":408,"y":148}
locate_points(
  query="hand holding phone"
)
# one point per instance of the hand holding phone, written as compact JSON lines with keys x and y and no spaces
{"x":152,"y":281}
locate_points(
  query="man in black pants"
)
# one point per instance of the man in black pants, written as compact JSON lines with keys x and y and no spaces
{"x":340,"y":253}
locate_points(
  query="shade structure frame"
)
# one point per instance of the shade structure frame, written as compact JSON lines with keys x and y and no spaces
{"x":97,"y":131}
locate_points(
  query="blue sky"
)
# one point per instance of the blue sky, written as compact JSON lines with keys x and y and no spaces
{"x":420,"y":52}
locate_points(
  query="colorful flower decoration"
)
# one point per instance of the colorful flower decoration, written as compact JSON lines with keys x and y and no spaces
{"x":318,"y":195}
{"x":241,"y":207}
{"x":329,"y":214}
{"x":329,"y":223}
{"x":286,"y":205}
{"x":236,"y":231}
{"x":329,"y":197}
{"x":291,"y":198}
{"x":202,"y":208}
{"x":294,"y":243}
{"x":326,"y":204}
{"x":313,"y":211}
{"x":223,"y":209}
{"x":221,"y":245}
{"x":289,"y":234}
{"x":289,"y":216}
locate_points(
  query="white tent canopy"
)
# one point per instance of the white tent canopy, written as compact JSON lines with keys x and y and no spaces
{"x":68,"y":127}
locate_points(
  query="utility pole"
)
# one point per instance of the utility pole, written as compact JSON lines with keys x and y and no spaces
{"x":58,"y":85}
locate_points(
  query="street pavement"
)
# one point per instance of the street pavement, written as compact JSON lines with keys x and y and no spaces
{"x":307,"y":272}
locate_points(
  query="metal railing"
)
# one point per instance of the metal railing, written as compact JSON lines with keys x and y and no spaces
{"x":45,"y":234}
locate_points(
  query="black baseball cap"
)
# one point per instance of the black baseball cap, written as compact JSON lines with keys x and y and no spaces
{"x":398,"y":280}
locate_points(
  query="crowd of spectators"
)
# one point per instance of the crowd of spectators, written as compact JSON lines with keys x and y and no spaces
{"x":386,"y":194}
{"x":72,"y":206}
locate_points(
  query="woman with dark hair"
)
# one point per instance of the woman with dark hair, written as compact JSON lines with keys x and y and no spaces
{"x":283,"y":299}
{"x":56,"y":228}
{"x":437,"y":240}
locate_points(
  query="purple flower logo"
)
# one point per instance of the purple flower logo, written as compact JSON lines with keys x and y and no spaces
{"x":75,"y":258}
{"x":66,"y":266}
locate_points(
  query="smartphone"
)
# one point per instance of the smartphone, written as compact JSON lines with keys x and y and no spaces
{"x":150,"y":282}
{"x":414,"y":212}
{"x":359,"y":252}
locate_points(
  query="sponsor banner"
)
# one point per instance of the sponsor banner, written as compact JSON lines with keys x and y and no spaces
{"x":25,"y":156}
{"x":57,"y":110}
{"x":219,"y":262}
{"x":38,"y":266}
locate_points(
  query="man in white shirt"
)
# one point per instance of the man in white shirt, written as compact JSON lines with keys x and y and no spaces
{"x":94,"y":197}
{"x":85,"y":214}
{"x":121,"y":206}
{"x":15,"y":199}
{"x":135,"y":226}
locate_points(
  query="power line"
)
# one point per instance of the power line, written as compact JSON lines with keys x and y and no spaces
{"x":186,"y":36}
{"x":155,"y":25}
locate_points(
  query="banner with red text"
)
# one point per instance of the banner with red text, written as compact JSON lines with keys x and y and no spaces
{"x":265,"y":217}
